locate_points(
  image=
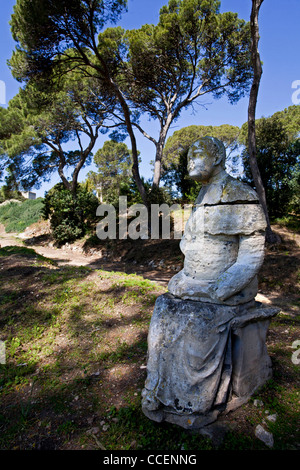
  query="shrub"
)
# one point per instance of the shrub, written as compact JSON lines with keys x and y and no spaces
{"x":17,"y":216}
{"x":71,"y":216}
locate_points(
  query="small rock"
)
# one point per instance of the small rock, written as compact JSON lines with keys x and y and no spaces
{"x":272,"y":418}
{"x":94,"y":430}
{"x":105,"y":427}
{"x":95,"y":374}
{"x":152,"y":264}
{"x":264,"y":436}
{"x":132,"y":445}
{"x":258,"y":403}
{"x":215,"y":432}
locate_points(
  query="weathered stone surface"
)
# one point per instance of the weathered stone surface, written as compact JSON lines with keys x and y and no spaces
{"x":185,"y":345}
{"x":265,"y":436}
{"x":223,"y":241}
{"x":200,"y":359}
{"x":252,"y":365}
{"x":206,"y":342}
{"x":229,"y":191}
{"x":272,"y":418}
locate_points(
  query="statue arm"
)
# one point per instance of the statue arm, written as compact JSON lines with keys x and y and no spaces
{"x":240,"y":274}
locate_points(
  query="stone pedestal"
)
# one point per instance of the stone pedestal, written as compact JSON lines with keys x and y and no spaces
{"x":204,"y":359}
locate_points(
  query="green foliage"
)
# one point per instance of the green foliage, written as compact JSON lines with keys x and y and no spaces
{"x":175,"y":57}
{"x":6,"y":193}
{"x":175,"y":156}
{"x":155,"y":195}
{"x":17,"y":250}
{"x":159,"y":70}
{"x":17,"y":216}
{"x":76,"y":345}
{"x":182,"y":139}
{"x":294,"y":182}
{"x":41,"y":119}
{"x":129,"y":189}
{"x":193,"y":50}
{"x":278,"y":163}
{"x":291,"y":221}
{"x":48,"y":113}
{"x":71,"y":215}
{"x":290,"y":119}
{"x":177,"y":175}
{"x":113,"y":162}
{"x":152,"y":436}
{"x":26,"y":252}
{"x":47,"y":38}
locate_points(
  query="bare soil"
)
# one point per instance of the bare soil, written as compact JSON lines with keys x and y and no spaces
{"x":158,"y":260}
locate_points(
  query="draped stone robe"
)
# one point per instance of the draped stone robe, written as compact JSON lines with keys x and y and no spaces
{"x":197,"y":357}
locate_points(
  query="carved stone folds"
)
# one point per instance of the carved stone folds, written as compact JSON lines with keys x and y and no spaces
{"x":206,"y":343}
{"x":203,"y":359}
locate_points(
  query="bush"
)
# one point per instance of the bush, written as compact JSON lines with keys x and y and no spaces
{"x":17,"y":216}
{"x":71,"y":216}
{"x":6,"y":194}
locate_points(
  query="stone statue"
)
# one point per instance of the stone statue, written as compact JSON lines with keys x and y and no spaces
{"x":206,"y":341}
{"x":224,"y":238}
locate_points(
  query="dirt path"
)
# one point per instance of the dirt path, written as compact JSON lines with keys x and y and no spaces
{"x":64,"y":256}
{"x":8,"y":239}
{"x":285,"y":258}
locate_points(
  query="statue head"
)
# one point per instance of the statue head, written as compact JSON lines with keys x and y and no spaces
{"x":206,"y":157}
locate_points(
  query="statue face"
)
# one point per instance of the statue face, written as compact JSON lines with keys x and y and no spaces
{"x":200,"y":163}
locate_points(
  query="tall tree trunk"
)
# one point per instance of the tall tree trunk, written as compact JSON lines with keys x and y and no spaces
{"x":157,"y":164}
{"x":159,"y":152}
{"x":134,"y":151}
{"x":135,"y":161}
{"x":106,"y":77}
{"x":257,"y":72}
{"x":61,"y":166}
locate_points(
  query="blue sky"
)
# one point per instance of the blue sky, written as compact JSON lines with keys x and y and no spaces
{"x":278,"y":47}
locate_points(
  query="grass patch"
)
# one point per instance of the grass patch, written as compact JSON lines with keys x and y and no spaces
{"x":17,"y":216}
{"x":291,"y":222}
{"x":76,"y":350}
{"x":24,"y":251}
{"x":131,"y":428}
